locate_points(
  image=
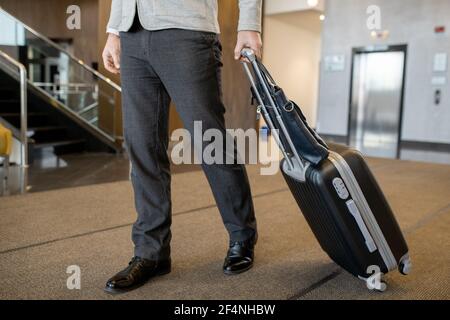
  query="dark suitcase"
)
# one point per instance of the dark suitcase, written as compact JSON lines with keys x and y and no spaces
{"x":339,"y":196}
{"x":349,"y":215}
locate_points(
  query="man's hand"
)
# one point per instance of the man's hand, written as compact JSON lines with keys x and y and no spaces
{"x":111,"y":54}
{"x":250,"y":40}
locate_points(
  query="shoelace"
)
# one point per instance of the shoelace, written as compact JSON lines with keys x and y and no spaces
{"x":133,"y":260}
{"x":134,"y":267}
{"x":247,"y":243}
{"x":136,"y":262}
{"x":234,"y":243}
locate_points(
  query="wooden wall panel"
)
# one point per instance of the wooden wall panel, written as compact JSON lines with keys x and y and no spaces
{"x":235,"y":84}
{"x":48,"y":17}
{"x":104,"y":8}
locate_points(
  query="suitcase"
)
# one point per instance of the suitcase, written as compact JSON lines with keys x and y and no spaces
{"x":338,"y":195}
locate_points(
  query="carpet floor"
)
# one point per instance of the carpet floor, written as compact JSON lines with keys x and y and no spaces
{"x":41,"y":234}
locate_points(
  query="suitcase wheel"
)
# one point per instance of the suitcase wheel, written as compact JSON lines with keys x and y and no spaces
{"x":405,"y":267}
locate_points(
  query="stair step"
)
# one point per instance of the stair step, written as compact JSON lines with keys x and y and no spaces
{"x":46,"y":128}
{"x":9,"y":90}
{"x":15,"y":114}
{"x":58,"y":143}
{"x":35,"y":119}
{"x":11,"y":100}
{"x":50,"y":129}
{"x":48,"y":133}
{"x":9,"y":106}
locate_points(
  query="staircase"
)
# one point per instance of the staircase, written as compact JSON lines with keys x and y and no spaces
{"x":71,"y":110}
{"x":48,"y":127}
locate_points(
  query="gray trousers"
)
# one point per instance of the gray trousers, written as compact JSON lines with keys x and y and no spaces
{"x":184,"y":66}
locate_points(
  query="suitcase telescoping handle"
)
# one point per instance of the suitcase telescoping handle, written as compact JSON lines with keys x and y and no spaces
{"x":295,"y":164}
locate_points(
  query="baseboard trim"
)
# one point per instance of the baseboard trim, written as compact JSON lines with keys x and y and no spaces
{"x":404,"y":145}
{"x":334,"y":138}
{"x":425,"y":146}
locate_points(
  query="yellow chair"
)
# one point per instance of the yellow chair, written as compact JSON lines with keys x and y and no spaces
{"x":5,"y":152}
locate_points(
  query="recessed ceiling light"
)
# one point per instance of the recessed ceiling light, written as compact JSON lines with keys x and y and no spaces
{"x":313,"y":3}
{"x":322,"y":17}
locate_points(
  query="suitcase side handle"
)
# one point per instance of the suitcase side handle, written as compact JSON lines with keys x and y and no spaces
{"x":296,"y":166}
{"x":248,"y":54}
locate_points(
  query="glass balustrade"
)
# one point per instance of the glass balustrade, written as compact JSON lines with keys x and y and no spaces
{"x":72,"y":85}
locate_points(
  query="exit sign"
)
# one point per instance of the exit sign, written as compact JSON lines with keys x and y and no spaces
{"x":439,"y":29}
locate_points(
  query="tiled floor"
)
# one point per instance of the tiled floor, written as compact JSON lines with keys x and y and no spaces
{"x":51,"y":172}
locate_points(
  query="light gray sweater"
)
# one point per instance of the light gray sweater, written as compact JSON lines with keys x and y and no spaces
{"x":183,"y":14}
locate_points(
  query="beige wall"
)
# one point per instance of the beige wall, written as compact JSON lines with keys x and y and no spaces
{"x":292,"y":54}
{"x":409,"y":22}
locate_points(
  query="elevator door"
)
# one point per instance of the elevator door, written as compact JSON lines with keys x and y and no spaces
{"x":376,"y":104}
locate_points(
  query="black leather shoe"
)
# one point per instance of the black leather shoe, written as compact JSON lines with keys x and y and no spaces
{"x":240,"y":256}
{"x":138,"y":272}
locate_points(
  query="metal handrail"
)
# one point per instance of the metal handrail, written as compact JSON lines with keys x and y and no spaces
{"x":110,"y":138}
{"x":23,"y":107}
{"x":88,"y":108}
{"x":59,"y":48}
{"x":65,"y":85}
{"x":67,"y":88}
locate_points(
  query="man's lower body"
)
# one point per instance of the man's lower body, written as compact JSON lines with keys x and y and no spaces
{"x":183,"y":66}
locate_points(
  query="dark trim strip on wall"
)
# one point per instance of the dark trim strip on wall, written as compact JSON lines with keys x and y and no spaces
{"x":404,"y":145}
{"x":425,"y":146}
{"x":334,"y":138}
